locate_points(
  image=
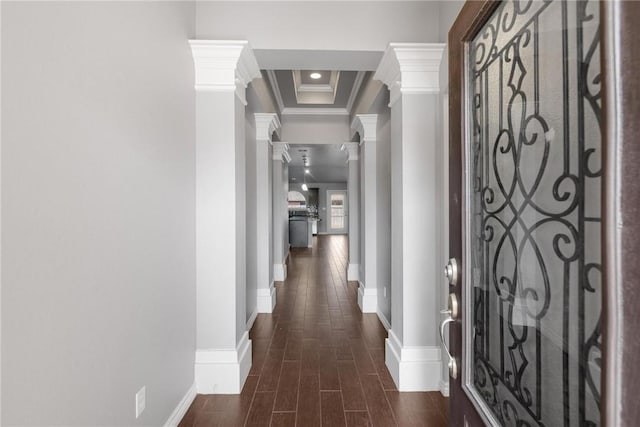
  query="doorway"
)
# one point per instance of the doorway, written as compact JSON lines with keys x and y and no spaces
{"x":337,"y":212}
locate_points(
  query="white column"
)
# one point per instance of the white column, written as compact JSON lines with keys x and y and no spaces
{"x":411,"y":71}
{"x":365,"y":125}
{"x":223,"y":69}
{"x":266,"y":125}
{"x":281,"y":161}
{"x":353,"y":212}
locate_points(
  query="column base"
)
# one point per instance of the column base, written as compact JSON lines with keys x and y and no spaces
{"x":413,"y":368}
{"x":266,"y":299}
{"x":279,"y":272}
{"x":367,"y":299}
{"x":353,"y":272}
{"x":223,"y":371}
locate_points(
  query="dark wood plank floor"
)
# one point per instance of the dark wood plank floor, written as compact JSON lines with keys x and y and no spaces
{"x":317,"y":360}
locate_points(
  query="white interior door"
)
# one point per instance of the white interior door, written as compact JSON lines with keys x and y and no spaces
{"x":337,"y":216}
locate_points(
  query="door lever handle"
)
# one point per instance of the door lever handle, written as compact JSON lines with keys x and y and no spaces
{"x":452,"y":314}
{"x":453,"y":365}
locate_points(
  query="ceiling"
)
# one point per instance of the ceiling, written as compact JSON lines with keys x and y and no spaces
{"x":326,"y":163}
{"x":334,"y":92}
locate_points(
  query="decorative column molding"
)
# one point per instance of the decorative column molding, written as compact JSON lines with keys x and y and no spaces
{"x":353,"y":212}
{"x":281,"y":152}
{"x":280,"y":179}
{"x":410,"y":68}
{"x":224,"y":65}
{"x":366,"y":126}
{"x":266,"y":125}
{"x":223,"y":69}
{"x":352,"y":150}
{"x":413,"y":349}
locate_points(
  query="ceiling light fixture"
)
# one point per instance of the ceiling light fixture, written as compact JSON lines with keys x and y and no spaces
{"x":306,"y":171}
{"x":315,"y":76}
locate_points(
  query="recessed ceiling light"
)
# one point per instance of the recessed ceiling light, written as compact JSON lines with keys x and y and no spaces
{"x":315,"y":75}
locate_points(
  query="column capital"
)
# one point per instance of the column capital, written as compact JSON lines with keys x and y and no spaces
{"x":366,"y":125}
{"x":266,"y":124}
{"x":352,"y":150}
{"x":409,"y":68}
{"x":281,"y":152}
{"x":224,"y":65}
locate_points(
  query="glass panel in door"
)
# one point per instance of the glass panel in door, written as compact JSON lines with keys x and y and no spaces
{"x":533,"y":263}
{"x":337,"y":204}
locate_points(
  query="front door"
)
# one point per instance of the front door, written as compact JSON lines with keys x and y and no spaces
{"x":526,"y":225}
{"x":337,"y":212}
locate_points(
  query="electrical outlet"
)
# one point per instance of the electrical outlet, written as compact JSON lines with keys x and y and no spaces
{"x":385,"y":291}
{"x":141,"y":401}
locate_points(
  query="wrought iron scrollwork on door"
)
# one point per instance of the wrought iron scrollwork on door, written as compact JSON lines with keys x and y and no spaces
{"x":535,"y":267}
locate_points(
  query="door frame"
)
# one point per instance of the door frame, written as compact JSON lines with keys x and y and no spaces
{"x":620,"y":381}
{"x":345,"y":229}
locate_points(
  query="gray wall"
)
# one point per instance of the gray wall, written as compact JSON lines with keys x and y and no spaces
{"x":98,"y":244}
{"x":322,"y":198}
{"x":383,"y":200}
{"x":319,"y":25}
{"x":251,"y":185}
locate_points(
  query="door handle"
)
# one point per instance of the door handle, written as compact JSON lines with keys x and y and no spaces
{"x":452,"y":313}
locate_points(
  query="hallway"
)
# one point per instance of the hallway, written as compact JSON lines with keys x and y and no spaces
{"x":317,"y":360}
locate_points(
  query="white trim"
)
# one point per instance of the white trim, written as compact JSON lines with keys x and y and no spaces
{"x":365,"y":125}
{"x":271,"y":75}
{"x":281,"y":152}
{"x":223,"y":371}
{"x":315,"y":88}
{"x":266,"y":299}
{"x":224,"y":65}
{"x":411,"y":68}
{"x":313,"y":111}
{"x":252,"y":319}
{"x":280,"y":272}
{"x":266,"y":125}
{"x":352,"y":150}
{"x":383,"y":319}
{"x":367,"y":298}
{"x":182,"y":408}
{"x":413,"y":368}
{"x":353,"y":272}
{"x":444,"y":388}
{"x":355,"y":89}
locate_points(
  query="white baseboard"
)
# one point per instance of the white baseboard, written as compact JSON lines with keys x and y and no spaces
{"x":444,"y":388}
{"x":383,"y":319}
{"x":280,"y":272}
{"x":223,"y":371}
{"x":413,"y":368}
{"x":353,"y":272}
{"x":178,"y":413}
{"x":367,"y":299}
{"x":266,"y":299}
{"x":252,"y":319}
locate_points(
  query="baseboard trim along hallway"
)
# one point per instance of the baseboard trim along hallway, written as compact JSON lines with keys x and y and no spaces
{"x":413,"y":368}
{"x":223,"y":371}
{"x":266,"y":299}
{"x":367,"y":298}
{"x":279,"y":272}
{"x":182,"y":408}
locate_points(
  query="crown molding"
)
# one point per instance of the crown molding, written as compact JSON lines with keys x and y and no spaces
{"x":352,"y":150}
{"x":281,"y":152}
{"x":266,"y":124}
{"x":273,"y":81}
{"x":315,"y":112}
{"x":411,"y":68}
{"x":355,"y":89}
{"x":224,"y":65}
{"x":366,"y":125}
